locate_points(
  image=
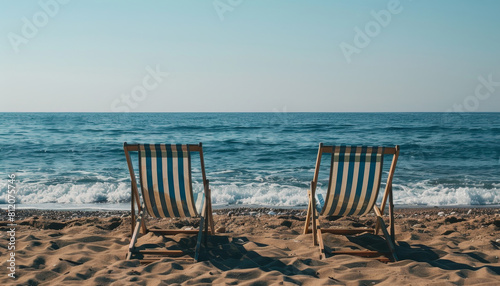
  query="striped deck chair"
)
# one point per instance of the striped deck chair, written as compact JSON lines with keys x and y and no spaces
{"x":353,"y":188}
{"x":166,"y":188}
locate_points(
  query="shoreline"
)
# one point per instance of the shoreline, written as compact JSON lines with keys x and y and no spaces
{"x":126,"y":207}
{"x":22,"y":214}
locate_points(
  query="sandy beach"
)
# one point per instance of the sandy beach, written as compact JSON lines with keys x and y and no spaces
{"x":444,"y":246}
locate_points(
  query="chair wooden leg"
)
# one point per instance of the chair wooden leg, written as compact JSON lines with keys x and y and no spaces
{"x":211,"y":217}
{"x":321,"y":245}
{"x":144,"y":228}
{"x":315,"y":233}
{"x":314,"y":220}
{"x":308,"y":218}
{"x":132,"y":215}
{"x":135,"y":234}
{"x":207,"y":223}
{"x":388,"y":240}
{"x":210,"y":223}
{"x":387,"y":237}
{"x":391,"y":218}
{"x":377,"y":223}
{"x":200,"y":237}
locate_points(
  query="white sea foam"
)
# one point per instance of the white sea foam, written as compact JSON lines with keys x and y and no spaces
{"x":423,"y":193}
{"x":262,"y":193}
{"x":70,"y":193}
{"x":259,"y":194}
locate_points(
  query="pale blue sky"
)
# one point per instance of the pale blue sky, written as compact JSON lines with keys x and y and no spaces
{"x":259,"y":56}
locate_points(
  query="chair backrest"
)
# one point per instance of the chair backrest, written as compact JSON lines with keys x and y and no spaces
{"x":165,"y":176}
{"x":355,"y":177}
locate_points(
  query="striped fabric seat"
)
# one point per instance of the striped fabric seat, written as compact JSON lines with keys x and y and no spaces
{"x":355,"y":178}
{"x":165,"y":172}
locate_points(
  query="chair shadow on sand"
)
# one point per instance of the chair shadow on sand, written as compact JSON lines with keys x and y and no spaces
{"x":229,"y":253}
{"x":423,"y":253}
{"x":186,"y":244}
{"x":418,"y":253}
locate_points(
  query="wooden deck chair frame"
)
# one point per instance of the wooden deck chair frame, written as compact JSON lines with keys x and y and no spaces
{"x":138,"y":221}
{"x":317,"y":231}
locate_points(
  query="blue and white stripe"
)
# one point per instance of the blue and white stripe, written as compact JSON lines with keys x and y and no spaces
{"x":355,"y":177}
{"x":165,"y":173}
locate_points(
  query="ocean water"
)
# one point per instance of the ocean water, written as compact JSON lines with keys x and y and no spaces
{"x":266,"y":159}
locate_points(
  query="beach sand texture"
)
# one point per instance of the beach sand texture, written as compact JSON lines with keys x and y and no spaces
{"x":454,"y":247}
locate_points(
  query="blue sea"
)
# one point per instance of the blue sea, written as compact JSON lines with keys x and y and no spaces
{"x":76,"y":160}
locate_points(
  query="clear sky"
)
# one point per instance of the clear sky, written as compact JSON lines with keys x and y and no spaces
{"x":249,"y":55}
